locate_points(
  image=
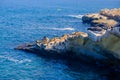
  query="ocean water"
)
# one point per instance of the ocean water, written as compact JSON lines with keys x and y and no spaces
{"x":24,"y":21}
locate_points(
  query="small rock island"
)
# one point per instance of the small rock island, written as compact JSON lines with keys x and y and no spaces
{"x":101,"y":43}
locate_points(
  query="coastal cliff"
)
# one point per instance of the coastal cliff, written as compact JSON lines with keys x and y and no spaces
{"x":100,"y":47}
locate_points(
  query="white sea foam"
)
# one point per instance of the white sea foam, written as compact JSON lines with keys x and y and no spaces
{"x":15,"y":60}
{"x":59,"y":9}
{"x":54,"y":28}
{"x":59,"y":29}
{"x":76,"y":16}
{"x":62,"y":29}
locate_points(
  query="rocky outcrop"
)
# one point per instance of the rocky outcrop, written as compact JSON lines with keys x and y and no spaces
{"x":78,"y":45}
{"x":111,"y":13}
{"x":88,"y":18}
{"x":104,"y":23}
{"x":106,"y":18}
{"x":58,"y":45}
{"x":105,"y":48}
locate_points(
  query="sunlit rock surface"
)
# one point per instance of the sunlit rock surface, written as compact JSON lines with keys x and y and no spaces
{"x":106,"y":18}
{"x":88,"y":18}
{"x":57,"y":44}
{"x":111,"y":13}
{"x":107,"y":24}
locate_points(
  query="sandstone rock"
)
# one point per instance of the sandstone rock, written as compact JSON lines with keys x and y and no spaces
{"x":111,"y":13}
{"x":45,"y":40}
{"x":90,"y":17}
{"x":82,"y":47}
{"x":106,"y":18}
{"x":104,"y":23}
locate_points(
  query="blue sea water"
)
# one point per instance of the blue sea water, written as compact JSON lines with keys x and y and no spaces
{"x":24,"y":21}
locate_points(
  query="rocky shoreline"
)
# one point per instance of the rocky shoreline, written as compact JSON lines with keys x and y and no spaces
{"x":100,"y":44}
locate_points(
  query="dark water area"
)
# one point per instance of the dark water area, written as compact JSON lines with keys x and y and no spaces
{"x":24,"y":21}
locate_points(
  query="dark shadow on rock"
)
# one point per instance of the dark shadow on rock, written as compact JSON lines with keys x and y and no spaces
{"x":75,"y":64}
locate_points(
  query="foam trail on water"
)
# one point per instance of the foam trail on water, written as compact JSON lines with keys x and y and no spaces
{"x":54,"y":28}
{"x":59,"y":9}
{"x":15,"y":60}
{"x":59,"y":29}
{"x":63,"y":29}
{"x":76,"y":16}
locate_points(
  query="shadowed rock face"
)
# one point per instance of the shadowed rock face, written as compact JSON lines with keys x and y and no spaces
{"x":105,"y":18}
